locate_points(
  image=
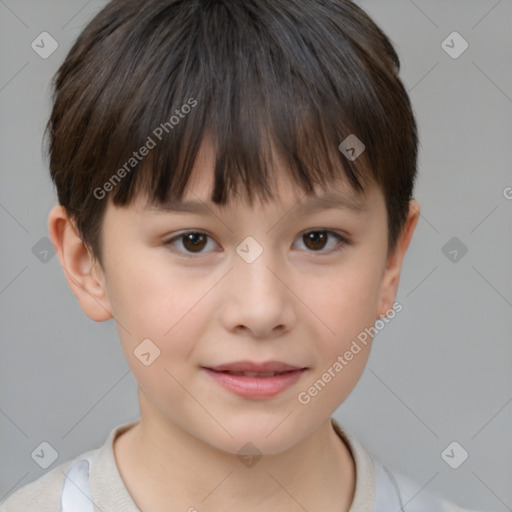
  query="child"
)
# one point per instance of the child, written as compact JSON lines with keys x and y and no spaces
{"x":170,"y":118}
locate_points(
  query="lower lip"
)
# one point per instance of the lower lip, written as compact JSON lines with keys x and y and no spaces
{"x":256,"y":387}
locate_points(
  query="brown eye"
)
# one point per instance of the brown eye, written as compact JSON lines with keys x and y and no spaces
{"x":194,"y":241}
{"x":316,"y":241}
{"x":191,"y":242}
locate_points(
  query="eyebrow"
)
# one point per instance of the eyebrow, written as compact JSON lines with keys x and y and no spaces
{"x":331,"y":200}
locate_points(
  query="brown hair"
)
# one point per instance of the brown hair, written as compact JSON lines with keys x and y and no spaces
{"x":164,"y":74}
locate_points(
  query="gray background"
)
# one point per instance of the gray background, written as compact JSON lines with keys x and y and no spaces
{"x":439,"y":372}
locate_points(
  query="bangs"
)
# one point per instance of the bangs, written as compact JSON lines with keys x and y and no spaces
{"x":247,"y":95}
{"x":262,"y":81}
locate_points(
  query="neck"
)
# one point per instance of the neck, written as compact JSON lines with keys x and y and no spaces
{"x":157,"y":455}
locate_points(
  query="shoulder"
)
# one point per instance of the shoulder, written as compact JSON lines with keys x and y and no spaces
{"x":380,"y":488}
{"x":43,"y":494}
{"x":410,"y":494}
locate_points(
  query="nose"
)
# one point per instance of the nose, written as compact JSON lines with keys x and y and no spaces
{"x":258,"y":300}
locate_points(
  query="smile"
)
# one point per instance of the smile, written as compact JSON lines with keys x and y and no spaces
{"x":255,"y":385}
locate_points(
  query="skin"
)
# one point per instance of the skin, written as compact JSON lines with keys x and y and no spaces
{"x":297,"y":302}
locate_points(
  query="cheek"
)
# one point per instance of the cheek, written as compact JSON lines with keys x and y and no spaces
{"x":152,"y":302}
{"x":345,"y":300}
{"x":150,"y":295}
{"x":344,"y":304}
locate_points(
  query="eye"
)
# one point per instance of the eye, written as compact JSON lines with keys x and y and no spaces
{"x":316,"y":240}
{"x":194,"y":242}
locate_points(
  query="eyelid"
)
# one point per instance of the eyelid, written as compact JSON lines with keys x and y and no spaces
{"x":343,"y":241}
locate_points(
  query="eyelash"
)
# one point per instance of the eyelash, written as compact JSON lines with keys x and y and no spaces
{"x":343,"y":241}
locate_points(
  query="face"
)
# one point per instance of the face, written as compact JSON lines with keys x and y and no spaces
{"x":284,"y":281}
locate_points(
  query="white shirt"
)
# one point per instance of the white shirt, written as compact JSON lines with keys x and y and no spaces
{"x":93,"y":478}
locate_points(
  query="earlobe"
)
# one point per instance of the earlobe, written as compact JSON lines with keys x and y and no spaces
{"x":83,"y":275}
{"x":391,"y":275}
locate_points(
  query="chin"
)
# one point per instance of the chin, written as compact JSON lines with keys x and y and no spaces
{"x":266,"y":436}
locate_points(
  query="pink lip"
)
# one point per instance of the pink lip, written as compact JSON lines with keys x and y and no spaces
{"x":255,"y":386}
{"x":250,"y":366}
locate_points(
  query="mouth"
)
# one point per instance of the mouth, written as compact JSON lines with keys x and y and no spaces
{"x":253,"y":369}
{"x":254,"y":374}
{"x":262,"y":375}
{"x":256,"y":380}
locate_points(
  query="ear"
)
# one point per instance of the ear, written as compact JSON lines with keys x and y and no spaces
{"x":83,"y":273}
{"x":392,"y":271}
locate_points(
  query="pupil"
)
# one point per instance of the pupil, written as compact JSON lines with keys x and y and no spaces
{"x":195,"y":239}
{"x":316,"y":237}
